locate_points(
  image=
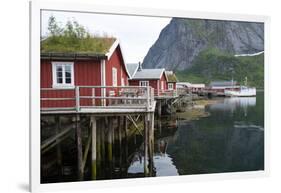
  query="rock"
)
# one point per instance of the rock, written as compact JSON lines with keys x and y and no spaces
{"x":183,"y":39}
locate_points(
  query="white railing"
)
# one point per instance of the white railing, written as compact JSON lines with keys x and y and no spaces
{"x":101,"y":97}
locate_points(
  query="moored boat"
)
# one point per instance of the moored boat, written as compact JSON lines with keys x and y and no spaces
{"x":243,"y":91}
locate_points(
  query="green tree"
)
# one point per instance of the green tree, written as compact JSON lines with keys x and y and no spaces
{"x":53,"y":27}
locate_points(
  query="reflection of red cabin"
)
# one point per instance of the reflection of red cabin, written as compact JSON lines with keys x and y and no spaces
{"x":156,"y":78}
{"x":65,"y":71}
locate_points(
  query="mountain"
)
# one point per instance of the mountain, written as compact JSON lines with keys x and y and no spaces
{"x":212,"y":65}
{"x":182,"y":40}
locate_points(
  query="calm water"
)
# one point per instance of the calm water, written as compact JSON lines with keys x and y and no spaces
{"x":231,"y":139}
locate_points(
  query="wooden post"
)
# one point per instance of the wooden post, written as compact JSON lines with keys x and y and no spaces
{"x":151,"y":143}
{"x":152,"y":135}
{"x":159,"y":123}
{"x":102,"y":139}
{"x":120,"y":143}
{"x":113,"y":142}
{"x":59,"y":154}
{"x":98,"y":138}
{"x":145,"y":144}
{"x":94,"y":147}
{"x":93,"y":94}
{"x":80,"y":171}
{"x":109,"y":144}
{"x":126,"y":138}
{"x":77,"y":96}
{"x":159,"y":108}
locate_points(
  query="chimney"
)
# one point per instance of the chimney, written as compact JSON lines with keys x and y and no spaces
{"x":140,"y":67}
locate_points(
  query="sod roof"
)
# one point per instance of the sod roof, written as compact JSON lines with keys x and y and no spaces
{"x":88,"y":45}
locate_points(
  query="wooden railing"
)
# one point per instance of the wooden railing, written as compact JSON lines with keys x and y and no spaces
{"x":101,"y":97}
{"x":166,"y":93}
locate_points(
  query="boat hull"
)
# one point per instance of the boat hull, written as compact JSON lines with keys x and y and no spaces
{"x":246,"y":92}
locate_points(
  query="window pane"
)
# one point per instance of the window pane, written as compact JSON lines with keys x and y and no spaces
{"x":67,"y":68}
{"x":59,"y":80}
{"x":68,"y":74}
{"x":68,"y":80}
{"x":59,"y":68}
{"x":59,"y":74}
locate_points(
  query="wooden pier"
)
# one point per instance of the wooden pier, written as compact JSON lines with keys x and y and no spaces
{"x":100,"y":117}
{"x":165,"y":98}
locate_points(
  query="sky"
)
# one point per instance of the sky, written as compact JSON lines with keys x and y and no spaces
{"x":135,"y":33}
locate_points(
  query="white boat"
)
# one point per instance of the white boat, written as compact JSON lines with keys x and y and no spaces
{"x":242,"y":92}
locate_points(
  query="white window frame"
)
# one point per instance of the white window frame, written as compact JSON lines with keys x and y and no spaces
{"x":144,"y":83}
{"x":170,"y":86}
{"x":54,"y":74}
{"x":114,"y":76}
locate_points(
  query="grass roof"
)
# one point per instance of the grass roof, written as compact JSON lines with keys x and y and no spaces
{"x":171,"y":77}
{"x":88,"y":45}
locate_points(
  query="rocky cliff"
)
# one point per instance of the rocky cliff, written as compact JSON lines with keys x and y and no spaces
{"x":181,"y":41}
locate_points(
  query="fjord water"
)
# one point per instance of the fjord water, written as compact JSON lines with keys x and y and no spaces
{"x":230,"y":139}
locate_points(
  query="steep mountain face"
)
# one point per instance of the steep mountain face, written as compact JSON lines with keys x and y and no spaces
{"x":181,"y":41}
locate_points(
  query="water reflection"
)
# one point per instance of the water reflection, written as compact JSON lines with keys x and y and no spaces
{"x":233,"y":103}
{"x":231,"y":139}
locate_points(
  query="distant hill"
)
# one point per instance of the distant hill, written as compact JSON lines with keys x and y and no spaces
{"x":211,"y":65}
{"x":184,"y":43}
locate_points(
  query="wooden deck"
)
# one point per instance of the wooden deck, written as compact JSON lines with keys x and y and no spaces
{"x":110,"y":100}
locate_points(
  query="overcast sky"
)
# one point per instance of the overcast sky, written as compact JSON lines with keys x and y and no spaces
{"x":136,"y":33}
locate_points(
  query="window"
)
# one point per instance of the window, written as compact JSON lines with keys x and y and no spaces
{"x":144,"y":83}
{"x":170,"y":86}
{"x":63,"y":74}
{"x":114,"y":77}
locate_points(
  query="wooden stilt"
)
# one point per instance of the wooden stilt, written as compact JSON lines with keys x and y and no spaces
{"x":145,"y":145}
{"x":151,"y":143}
{"x":59,"y":154}
{"x":153,"y":124}
{"x":126,"y":139}
{"x":120,"y":143}
{"x":159,"y":108}
{"x":113,"y":142}
{"x":159,"y":123}
{"x":98,"y":139}
{"x":80,"y":171}
{"x":109,"y":144}
{"x":94,"y":147}
{"x":102,"y":140}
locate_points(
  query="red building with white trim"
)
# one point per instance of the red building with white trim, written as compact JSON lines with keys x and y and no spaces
{"x":156,"y":78}
{"x":64,"y":71}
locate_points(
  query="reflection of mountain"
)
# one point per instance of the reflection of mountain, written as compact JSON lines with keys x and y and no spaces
{"x":245,"y":149}
{"x":226,"y":141}
{"x":200,"y":149}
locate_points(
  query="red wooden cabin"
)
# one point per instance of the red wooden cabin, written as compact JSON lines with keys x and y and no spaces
{"x":171,"y":80}
{"x":62,"y":72}
{"x":156,"y":78}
